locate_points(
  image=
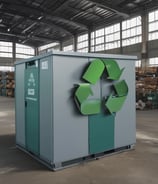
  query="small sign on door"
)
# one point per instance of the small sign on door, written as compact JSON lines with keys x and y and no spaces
{"x":31,"y":92}
{"x":44,"y":65}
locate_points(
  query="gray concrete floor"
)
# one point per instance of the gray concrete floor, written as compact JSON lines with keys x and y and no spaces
{"x":139,"y":166}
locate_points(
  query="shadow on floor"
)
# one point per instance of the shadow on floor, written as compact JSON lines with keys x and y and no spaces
{"x":14,"y":160}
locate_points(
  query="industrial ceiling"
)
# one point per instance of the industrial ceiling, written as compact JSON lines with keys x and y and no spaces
{"x":39,"y":22}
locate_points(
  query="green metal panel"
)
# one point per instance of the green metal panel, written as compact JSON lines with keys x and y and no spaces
{"x":31,"y":110}
{"x":101,"y":133}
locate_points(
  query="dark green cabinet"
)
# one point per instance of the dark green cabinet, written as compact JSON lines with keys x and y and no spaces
{"x":32,"y":109}
{"x":101,"y":133}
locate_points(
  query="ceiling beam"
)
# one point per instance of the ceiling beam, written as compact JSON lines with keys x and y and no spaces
{"x":80,"y":12}
{"x":40,"y":12}
{"x":69,"y":21}
{"x":87,"y":11}
{"x":22,"y":19}
{"x":73,"y":23}
{"x":61,"y":6}
{"x":111,"y":7}
{"x":33,"y":37}
{"x":44,"y":21}
{"x":142,"y":6}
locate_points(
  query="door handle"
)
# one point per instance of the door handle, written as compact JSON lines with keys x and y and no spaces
{"x":25,"y":103}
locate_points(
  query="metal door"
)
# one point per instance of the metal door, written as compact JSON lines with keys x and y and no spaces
{"x":101,"y":133}
{"x":32,"y":107}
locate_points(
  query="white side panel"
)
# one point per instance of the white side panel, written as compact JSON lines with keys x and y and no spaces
{"x":70,"y":128}
{"x":125,"y":120}
{"x":20,"y":105}
{"x":46,"y":111}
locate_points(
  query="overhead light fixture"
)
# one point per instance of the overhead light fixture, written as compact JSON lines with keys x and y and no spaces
{"x":23,"y":41}
{"x":137,"y":1}
{"x":8,"y":29}
{"x":1,"y":20}
{"x":131,"y":5}
{"x":39,"y":18}
{"x":28,"y":28}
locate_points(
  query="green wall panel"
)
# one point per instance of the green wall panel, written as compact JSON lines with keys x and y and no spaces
{"x":101,"y":133}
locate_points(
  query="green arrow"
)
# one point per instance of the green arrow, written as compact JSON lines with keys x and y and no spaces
{"x":83,"y":91}
{"x":89,"y":107}
{"x":113,"y":69}
{"x":85,"y":106}
{"x":121,"y":88}
{"x":94,"y":71}
{"x":114,"y":104}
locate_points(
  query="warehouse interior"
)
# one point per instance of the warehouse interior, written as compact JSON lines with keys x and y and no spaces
{"x":126,"y":27}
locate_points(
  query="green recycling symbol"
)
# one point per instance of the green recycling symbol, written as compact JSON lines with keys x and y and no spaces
{"x":114,"y":102}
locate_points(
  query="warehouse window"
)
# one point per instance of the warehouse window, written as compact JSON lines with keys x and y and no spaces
{"x":138,"y":63}
{"x":23,"y":51}
{"x":49,"y":47}
{"x":6,"y":49}
{"x":7,"y":68}
{"x":98,"y":40}
{"x":82,"y":43}
{"x":68,"y":48}
{"x":131,"y":31}
{"x":153,"y":25}
{"x":57,"y":48}
{"x":112,"y":36}
{"x":153,"y":61}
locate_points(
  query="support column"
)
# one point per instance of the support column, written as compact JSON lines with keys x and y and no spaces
{"x":121,"y":48}
{"x":61,"y":46}
{"x":36,"y":51}
{"x":14,"y":52}
{"x":75,"y":43}
{"x":104,"y":41}
{"x":89,"y":41}
{"x":144,"y":49}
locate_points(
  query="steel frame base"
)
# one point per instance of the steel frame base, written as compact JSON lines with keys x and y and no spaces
{"x":70,"y":163}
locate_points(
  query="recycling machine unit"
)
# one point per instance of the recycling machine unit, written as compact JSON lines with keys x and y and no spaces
{"x":72,"y":107}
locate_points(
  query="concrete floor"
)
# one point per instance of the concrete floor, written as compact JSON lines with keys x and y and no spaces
{"x":139,"y":166}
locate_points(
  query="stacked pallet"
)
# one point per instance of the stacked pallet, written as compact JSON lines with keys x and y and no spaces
{"x":147,"y":86}
{"x":151,"y":84}
{"x":147,"y":79}
{"x":7,"y":84}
